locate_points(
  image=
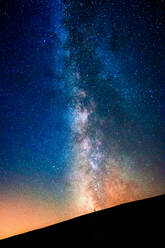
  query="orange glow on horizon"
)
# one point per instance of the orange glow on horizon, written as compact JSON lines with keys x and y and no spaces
{"x":21,"y":214}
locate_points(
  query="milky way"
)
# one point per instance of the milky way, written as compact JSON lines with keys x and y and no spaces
{"x":81,"y":108}
{"x":103,"y":172}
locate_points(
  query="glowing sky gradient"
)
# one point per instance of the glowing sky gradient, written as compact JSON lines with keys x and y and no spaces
{"x":81,"y":108}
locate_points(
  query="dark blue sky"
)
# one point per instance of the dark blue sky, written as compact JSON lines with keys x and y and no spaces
{"x":127,"y":40}
{"x":34,"y":126}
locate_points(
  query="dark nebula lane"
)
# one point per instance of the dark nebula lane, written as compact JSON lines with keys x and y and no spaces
{"x":81,"y":108}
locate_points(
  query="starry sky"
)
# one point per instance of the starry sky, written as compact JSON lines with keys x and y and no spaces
{"x":81,"y":108}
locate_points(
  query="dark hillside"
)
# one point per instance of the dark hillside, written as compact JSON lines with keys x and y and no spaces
{"x":134,"y":221}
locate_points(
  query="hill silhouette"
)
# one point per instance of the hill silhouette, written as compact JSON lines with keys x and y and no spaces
{"x":135,"y":220}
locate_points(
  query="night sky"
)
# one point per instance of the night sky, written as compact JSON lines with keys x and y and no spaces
{"x":81,"y":108}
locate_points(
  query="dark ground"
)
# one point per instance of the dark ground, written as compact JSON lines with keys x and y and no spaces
{"x":131,"y":223}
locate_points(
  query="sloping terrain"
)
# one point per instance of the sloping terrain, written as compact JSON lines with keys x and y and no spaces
{"x":135,"y":220}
